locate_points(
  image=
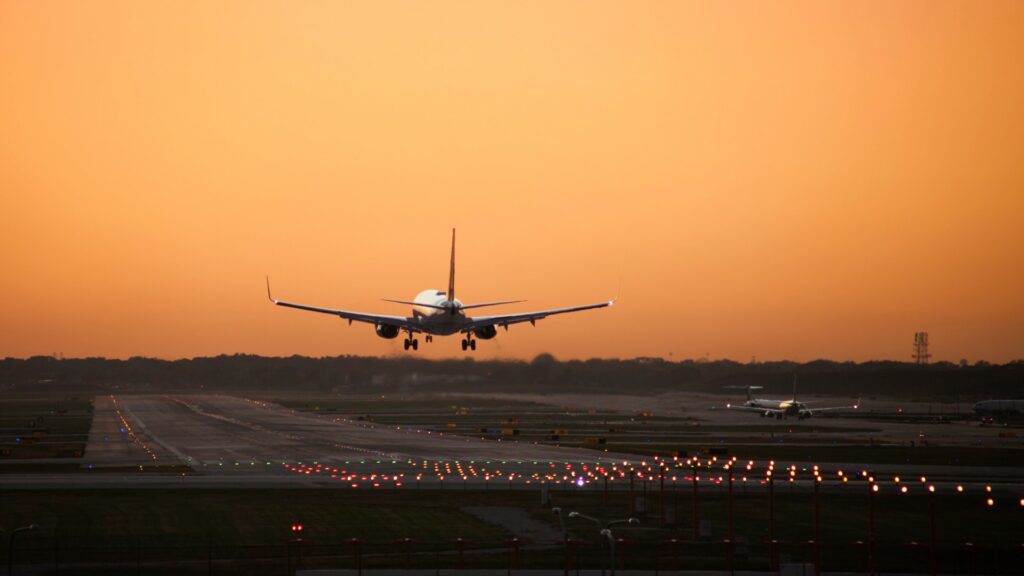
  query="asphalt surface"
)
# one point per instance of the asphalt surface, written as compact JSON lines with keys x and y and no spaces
{"x":232,"y":435}
{"x":224,"y":441}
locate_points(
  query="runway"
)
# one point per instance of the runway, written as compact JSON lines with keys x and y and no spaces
{"x":166,"y":440}
{"x":232,"y":435}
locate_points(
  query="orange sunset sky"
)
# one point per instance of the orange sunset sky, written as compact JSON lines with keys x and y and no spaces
{"x":785,"y":180}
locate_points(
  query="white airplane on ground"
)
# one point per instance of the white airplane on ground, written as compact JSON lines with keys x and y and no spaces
{"x":1000,"y":407}
{"x":783,"y":408}
{"x":437,"y":313}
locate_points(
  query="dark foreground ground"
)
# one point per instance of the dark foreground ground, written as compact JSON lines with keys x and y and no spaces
{"x":242,"y":531}
{"x":167,"y":483}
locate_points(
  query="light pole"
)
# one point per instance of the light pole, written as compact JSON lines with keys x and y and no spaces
{"x":693,"y":476}
{"x":817,"y":525}
{"x":606,"y":534}
{"x":732,"y":533}
{"x":565,"y":536}
{"x":771,"y":520}
{"x":931,"y":510}
{"x":10,"y":545}
{"x":871,"y":526}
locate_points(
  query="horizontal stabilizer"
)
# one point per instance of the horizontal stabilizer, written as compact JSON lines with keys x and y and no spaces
{"x":483,"y":304}
{"x":415,"y":304}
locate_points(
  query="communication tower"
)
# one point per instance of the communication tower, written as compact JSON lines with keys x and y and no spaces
{"x":921,"y":354}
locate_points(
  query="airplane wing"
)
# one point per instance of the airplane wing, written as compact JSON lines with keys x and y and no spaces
{"x":505,"y":319}
{"x":397,"y":321}
{"x":816,"y":410}
{"x":743,"y":408}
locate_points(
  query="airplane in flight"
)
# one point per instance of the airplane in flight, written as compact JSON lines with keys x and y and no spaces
{"x":437,"y":313}
{"x":783,"y":408}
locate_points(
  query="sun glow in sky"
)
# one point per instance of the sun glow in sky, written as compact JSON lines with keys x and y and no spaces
{"x":774,"y":179}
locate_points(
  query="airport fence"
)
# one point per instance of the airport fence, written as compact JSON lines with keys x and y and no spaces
{"x":519,"y":555}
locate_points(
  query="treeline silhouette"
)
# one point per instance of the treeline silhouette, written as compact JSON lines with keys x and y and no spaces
{"x":358,"y":375}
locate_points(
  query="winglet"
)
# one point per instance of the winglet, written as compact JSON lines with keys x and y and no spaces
{"x":269,"y":297}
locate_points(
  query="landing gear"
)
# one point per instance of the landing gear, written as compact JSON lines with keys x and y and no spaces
{"x":468,"y":343}
{"x":411,"y":342}
{"x":428,"y":338}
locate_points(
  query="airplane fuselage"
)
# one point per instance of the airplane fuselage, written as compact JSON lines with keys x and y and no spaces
{"x":440,"y":317}
{"x":787,"y":407}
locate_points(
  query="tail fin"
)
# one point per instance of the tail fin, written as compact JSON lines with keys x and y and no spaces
{"x":451,"y":271}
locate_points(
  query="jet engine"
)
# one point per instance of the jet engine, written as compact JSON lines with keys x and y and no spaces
{"x":387,"y":331}
{"x":485,"y":332}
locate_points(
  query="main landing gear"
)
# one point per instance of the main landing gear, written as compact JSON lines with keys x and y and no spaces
{"x":413,"y":343}
{"x":468,"y":343}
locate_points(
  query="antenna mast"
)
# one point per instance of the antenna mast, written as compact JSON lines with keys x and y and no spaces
{"x":921,"y":354}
